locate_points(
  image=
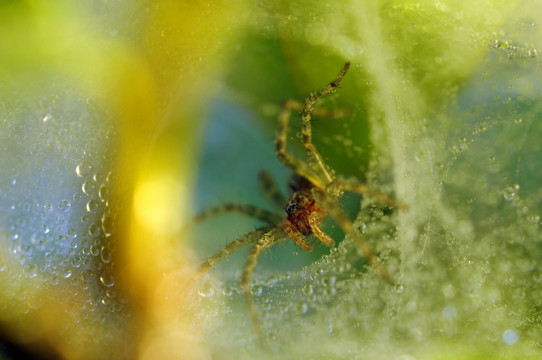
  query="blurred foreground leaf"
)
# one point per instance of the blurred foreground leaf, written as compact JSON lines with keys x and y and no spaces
{"x":100,"y":102}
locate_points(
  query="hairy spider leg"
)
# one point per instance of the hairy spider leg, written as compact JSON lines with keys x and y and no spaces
{"x":314,"y":222}
{"x":290,"y":161}
{"x":320,"y":112}
{"x":356,"y":187}
{"x":291,"y":231}
{"x":282,"y":134}
{"x":250,"y":210}
{"x":212,"y":261}
{"x":270,"y":189}
{"x":269,"y":238}
{"x":346,"y":225}
{"x":247,"y":239}
{"x":306,"y":129}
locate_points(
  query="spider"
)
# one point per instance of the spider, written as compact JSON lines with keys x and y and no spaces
{"x":315,"y":192}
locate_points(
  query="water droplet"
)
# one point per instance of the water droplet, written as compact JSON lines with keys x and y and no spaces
{"x":535,"y":219}
{"x":228,"y":292}
{"x":463,"y":144}
{"x":449,"y":313}
{"x":61,"y":240}
{"x":510,"y":337}
{"x":76,"y":261}
{"x":105,"y":301}
{"x":206,"y":291}
{"x":87,"y":276}
{"x":88,"y":187}
{"x":454,"y":149}
{"x":107,"y":279}
{"x":64,"y":205}
{"x":83,"y":169}
{"x":362,"y":228}
{"x":509,"y":192}
{"x":107,"y":225}
{"x":92,"y":206}
{"x":301,"y":308}
{"x":256,"y":290}
{"x":94,"y":250}
{"x":77,"y":196}
{"x":307,"y":290}
{"x":329,"y":281}
{"x":72,"y":233}
{"x":105,"y":254}
{"x":103,"y":193}
{"x":47,"y":118}
{"x":94,"y":230}
{"x":31,"y":271}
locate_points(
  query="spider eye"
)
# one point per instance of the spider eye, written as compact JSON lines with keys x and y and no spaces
{"x":291,"y":208}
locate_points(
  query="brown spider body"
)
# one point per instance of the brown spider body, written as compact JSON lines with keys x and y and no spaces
{"x":301,"y":205}
{"x":314,"y":194}
{"x":298,"y":209}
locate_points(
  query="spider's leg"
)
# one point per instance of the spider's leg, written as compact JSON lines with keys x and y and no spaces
{"x":253,"y":211}
{"x":318,"y":111}
{"x":357,"y":187}
{"x":268,"y":239}
{"x":270,"y":189}
{"x":314,"y":223}
{"x":212,"y":261}
{"x":250,"y":210}
{"x":290,"y":161}
{"x":306,"y":129}
{"x":244,"y":240}
{"x":346,"y":225}
{"x":290,"y":230}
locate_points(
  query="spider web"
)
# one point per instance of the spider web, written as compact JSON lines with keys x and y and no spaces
{"x":465,"y":255}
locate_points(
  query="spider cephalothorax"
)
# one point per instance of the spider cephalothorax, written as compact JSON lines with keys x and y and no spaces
{"x":303,"y":215}
{"x":301,"y":205}
{"x":315,"y":192}
{"x":300,"y":208}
